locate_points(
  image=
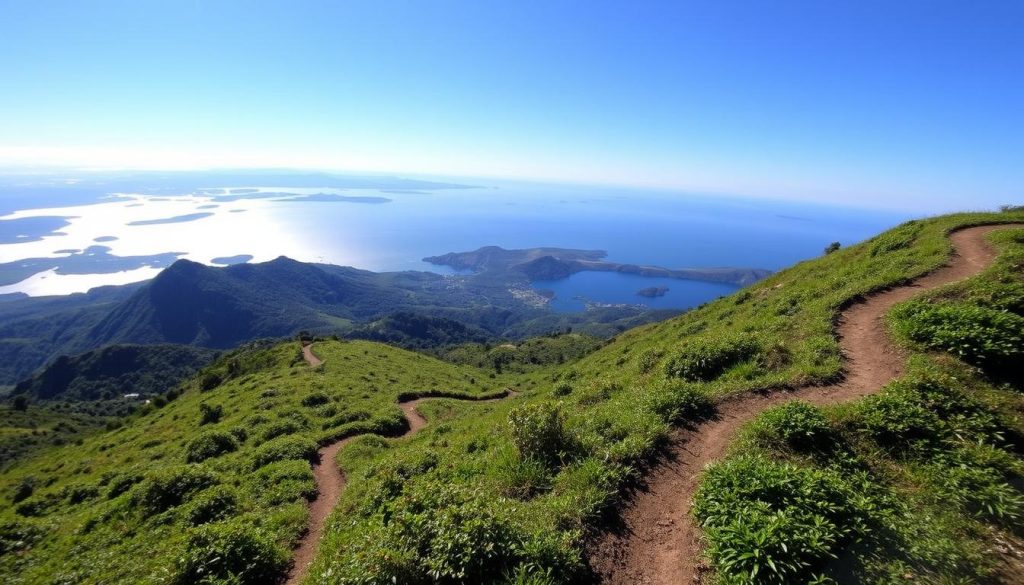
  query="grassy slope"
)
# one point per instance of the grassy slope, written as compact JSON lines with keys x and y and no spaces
{"x":104,"y":539}
{"x":919,"y":483}
{"x":466,"y":497}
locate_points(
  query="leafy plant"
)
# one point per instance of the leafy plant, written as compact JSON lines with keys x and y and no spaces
{"x":208,"y":445}
{"x":167,"y":488}
{"x":977,"y":334}
{"x":798,"y":424}
{"x":283,"y":449}
{"x":769,"y":522}
{"x":538,"y":432}
{"x":232,"y":552}
{"x":705,"y":359}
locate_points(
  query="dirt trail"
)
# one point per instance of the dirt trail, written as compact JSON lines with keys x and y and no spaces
{"x":657,"y":542}
{"x":330,"y":481}
{"x":310,"y":357}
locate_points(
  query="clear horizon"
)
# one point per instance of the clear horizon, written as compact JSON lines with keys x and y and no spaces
{"x":912,"y":107}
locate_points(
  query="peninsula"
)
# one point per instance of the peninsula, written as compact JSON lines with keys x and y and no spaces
{"x":556,"y":263}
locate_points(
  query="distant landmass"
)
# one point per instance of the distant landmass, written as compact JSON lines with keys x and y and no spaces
{"x":557,"y":263}
{"x":204,"y":306}
{"x":652,"y":292}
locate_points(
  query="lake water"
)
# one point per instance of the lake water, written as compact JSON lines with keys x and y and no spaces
{"x":126,"y":235}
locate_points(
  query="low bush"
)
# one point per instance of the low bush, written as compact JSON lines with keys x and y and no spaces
{"x":216,"y":503}
{"x":797,"y":424}
{"x":316,"y":399}
{"x":210,"y":414}
{"x":121,"y":483}
{"x":976,"y":334}
{"x":896,"y":419}
{"x":283,"y":449}
{"x":702,"y":360}
{"x":279,"y":428}
{"x":284,"y":481}
{"x":167,"y":488}
{"x":18,"y":535}
{"x":25,"y":488}
{"x":538,"y":432}
{"x":770,"y":522}
{"x":520,"y":478}
{"x":439,"y":533}
{"x":676,"y":403}
{"x":208,"y":445}
{"x":78,"y":493}
{"x":233,"y":553}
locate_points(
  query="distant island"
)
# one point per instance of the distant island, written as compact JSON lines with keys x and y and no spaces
{"x":558,"y":263}
{"x":652,"y":292}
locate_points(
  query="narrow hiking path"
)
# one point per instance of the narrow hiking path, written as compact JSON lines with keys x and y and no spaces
{"x":330,"y":480}
{"x":310,"y":357}
{"x":657,"y":541}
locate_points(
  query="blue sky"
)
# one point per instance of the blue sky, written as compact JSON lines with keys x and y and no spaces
{"x":896,"y":104}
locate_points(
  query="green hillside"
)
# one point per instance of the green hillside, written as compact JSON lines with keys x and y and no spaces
{"x":212,"y":486}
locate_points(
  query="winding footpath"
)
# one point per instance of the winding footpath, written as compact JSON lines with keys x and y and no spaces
{"x":657,"y":542}
{"x":330,"y":480}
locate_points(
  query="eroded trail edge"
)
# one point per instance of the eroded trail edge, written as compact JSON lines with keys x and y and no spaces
{"x":330,"y":480}
{"x":657,"y":541}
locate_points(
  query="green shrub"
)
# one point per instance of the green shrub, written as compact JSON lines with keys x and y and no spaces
{"x":457,"y":534}
{"x":121,"y":483}
{"x":797,"y":424}
{"x":215,"y":503}
{"x":520,"y":478}
{"x":316,"y":399}
{"x":233,"y":553}
{"x":171,"y":487}
{"x":346,"y":417}
{"x":210,"y":414}
{"x":284,"y":481}
{"x":283,"y":449}
{"x":209,"y":381}
{"x":209,"y":444}
{"x":701,"y":360}
{"x":562,"y":389}
{"x":770,"y":522}
{"x":977,"y":334}
{"x":24,"y":489}
{"x":896,"y":419}
{"x":78,"y":493}
{"x":648,"y":360}
{"x":538,"y":432}
{"x":18,"y":535}
{"x":278,"y":429}
{"x":676,"y":403}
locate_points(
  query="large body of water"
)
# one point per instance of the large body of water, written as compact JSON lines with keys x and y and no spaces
{"x":130,"y":236}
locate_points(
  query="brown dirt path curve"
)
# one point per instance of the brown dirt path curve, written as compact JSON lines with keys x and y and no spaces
{"x":330,"y":479}
{"x":311,"y":358}
{"x":657,"y":541}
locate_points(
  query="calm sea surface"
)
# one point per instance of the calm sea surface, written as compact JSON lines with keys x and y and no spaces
{"x":382,"y":229}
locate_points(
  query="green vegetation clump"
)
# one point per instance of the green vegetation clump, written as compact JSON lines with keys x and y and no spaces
{"x":284,"y":481}
{"x":283,"y":449}
{"x":231,"y":552}
{"x":167,"y":488}
{"x":538,"y":432}
{"x":975,"y":333}
{"x":770,"y":522}
{"x":706,"y":359}
{"x":216,"y":503}
{"x":796,"y":424}
{"x":210,"y":444}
